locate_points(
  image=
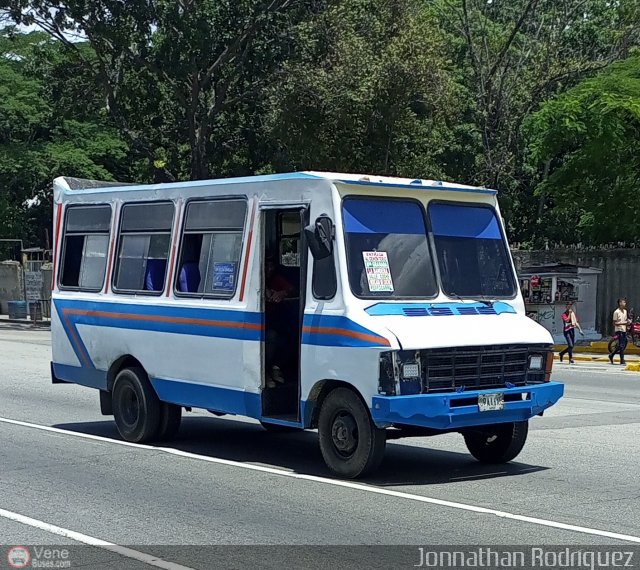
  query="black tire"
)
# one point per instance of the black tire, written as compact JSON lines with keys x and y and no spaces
{"x":613,"y":345}
{"x":136,"y":408}
{"x":499,"y":443}
{"x":351,"y":444}
{"x":277,"y":428}
{"x":170,"y":419}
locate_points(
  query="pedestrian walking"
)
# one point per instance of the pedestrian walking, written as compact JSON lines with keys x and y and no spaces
{"x":570,"y":324}
{"x":620,"y":323}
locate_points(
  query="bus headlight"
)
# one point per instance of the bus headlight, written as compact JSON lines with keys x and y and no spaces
{"x":410,"y":370}
{"x":400,"y":373}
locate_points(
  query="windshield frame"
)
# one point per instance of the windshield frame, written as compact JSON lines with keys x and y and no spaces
{"x":433,"y":266}
{"x":503,"y":243}
{"x":433,"y":252}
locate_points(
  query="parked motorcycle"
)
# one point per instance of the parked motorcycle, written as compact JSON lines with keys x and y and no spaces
{"x":633,"y":334}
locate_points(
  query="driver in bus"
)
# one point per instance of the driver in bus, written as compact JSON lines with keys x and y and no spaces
{"x":278,"y":288}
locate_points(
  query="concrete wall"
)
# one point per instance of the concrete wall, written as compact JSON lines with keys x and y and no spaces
{"x":11,"y":284}
{"x":620,"y":276}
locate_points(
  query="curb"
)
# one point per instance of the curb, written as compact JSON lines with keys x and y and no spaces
{"x":581,"y":358}
{"x":635,"y":367}
{"x":26,"y":322}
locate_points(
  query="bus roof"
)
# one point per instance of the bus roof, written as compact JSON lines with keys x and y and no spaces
{"x":66,"y":184}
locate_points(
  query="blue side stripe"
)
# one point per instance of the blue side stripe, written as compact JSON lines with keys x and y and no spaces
{"x":75,"y":339}
{"x":162,"y":310}
{"x":324,"y":332}
{"x":320,"y":330}
{"x":89,"y":377}
{"x":215,"y":398}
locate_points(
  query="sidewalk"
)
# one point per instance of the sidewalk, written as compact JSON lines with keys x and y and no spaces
{"x":4,"y":319}
{"x":599,"y":352}
{"x":633,"y":360}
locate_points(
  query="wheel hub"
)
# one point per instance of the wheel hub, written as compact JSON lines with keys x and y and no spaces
{"x":344,"y":433}
{"x":130,"y":407}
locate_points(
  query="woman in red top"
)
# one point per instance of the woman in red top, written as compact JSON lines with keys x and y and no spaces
{"x":570,"y":323}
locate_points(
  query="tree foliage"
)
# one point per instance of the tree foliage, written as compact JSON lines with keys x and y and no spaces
{"x":39,"y":141}
{"x":590,"y":137}
{"x":465,"y":90}
{"x":368,"y":92}
{"x":170,"y":71}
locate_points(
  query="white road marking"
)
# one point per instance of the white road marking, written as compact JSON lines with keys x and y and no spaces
{"x":338,"y":483}
{"x":91,"y":541}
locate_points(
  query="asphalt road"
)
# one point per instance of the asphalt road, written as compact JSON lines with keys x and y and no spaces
{"x":228,"y":482}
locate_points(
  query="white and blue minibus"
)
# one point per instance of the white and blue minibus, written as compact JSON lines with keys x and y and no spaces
{"x":368,"y":308}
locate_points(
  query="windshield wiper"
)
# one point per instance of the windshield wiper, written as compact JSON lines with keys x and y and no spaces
{"x":483,"y":300}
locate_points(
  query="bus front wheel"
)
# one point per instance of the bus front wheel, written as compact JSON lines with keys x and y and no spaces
{"x":136,"y":408}
{"x":499,"y":443}
{"x":351,"y":444}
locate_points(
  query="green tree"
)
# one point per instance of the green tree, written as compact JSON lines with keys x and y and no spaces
{"x":589,"y":138}
{"x":515,"y":55}
{"x":172,"y":71}
{"x":367,"y":91}
{"x":38,"y":140}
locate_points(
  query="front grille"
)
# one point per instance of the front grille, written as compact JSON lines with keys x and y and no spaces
{"x":473,"y":368}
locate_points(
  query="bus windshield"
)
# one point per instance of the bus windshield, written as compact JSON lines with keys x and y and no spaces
{"x":471,"y":252}
{"x":387,"y":249}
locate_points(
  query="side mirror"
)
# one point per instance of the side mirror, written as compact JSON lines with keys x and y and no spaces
{"x":320,"y":236}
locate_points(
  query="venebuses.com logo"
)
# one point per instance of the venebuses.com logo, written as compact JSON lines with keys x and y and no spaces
{"x":38,"y":557}
{"x":18,"y":557}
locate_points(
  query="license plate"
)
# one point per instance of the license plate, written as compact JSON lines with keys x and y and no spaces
{"x":489,"y":402}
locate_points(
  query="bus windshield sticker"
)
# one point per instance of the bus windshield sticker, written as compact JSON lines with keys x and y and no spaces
{"x":376,"y":265}
{"x":224,"y":276}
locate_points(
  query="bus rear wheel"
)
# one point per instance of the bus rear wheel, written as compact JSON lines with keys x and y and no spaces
{"x":136,"y":408}
{"x":499,"y":443}
{"x":351,"y":444}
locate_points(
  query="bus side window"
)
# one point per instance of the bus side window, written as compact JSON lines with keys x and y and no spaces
{"x":84,"y":252}
{"x":211,"y":248}
{"x":143,"y":247}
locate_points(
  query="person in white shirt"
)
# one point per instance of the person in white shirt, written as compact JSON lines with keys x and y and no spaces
{"x":620,"y":322}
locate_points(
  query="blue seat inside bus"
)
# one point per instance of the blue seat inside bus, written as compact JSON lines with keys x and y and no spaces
{"x":154,"y":276}
{"x":189,"y":278}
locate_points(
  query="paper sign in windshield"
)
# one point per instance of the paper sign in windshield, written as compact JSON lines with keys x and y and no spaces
{"x":376,"y":265}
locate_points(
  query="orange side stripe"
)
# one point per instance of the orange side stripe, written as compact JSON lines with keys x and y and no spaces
{"x":347,"y":333}
{"x":159,"y":319}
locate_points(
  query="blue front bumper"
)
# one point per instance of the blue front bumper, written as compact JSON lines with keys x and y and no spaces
{"x":439,"y":411}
